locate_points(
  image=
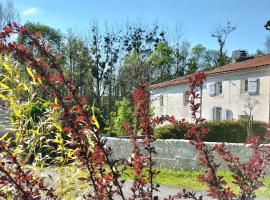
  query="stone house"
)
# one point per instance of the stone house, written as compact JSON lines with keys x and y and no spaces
{"x":227,"y":91}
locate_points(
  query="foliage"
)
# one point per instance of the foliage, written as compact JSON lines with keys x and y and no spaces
{"x":162,"y":60}
{"x":218,"y":131}
{"x":85,"y":139}
{"x":36,"y":110}
{"x":92,"y":110}
{"x":53,"y":37}
{"x":123,"y":114}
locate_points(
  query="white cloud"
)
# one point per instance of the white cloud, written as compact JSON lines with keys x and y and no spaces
{"x":30,"y":11}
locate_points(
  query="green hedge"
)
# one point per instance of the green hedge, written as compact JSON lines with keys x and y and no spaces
{"x":218,"y":131}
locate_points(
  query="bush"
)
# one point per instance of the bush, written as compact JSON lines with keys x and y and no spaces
{"x":36,"y":110}
{"x":124,"y":113}
{"x":218,"y":131}
{"x":170,"y":131}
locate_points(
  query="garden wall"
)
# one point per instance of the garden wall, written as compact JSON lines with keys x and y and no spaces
{"x":173,"y":153}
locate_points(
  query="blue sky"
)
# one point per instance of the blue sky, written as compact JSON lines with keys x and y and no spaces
{"x":197,"y":18}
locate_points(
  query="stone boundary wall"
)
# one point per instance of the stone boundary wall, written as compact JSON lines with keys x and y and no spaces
{"x":178,"y":154}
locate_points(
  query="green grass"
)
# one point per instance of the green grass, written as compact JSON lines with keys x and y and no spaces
{"x":189,"y":179}
{"x":183,"y":178}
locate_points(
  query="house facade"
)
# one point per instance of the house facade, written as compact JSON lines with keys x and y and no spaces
{"x":230,"y":92}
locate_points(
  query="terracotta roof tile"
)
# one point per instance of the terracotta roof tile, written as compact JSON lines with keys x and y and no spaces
{"x":249,"y":64}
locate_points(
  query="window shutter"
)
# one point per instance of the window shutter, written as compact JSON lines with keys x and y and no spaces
{"x":223,"y":114}
{"x":212,"y":89}
{"x":210,"y":113}
{"x":253,"y":85}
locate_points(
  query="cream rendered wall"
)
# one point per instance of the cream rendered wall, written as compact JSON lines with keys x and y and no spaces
{"x":231,"y":99}
{"x":173,"y":98}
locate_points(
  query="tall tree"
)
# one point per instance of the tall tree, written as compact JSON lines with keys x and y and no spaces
{"x":181,"y":53}
{"x":221,"y":33}
{"x":196,"y":59}
{"x":161,"y":61}
{"x":104,"y":51}
{"x":8,"y":13}
{"x":138,"y":43}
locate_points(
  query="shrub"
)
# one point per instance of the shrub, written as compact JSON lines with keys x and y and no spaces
{"x":218,"y":131}
{"x":170,"y":131}
{"x":36,"y":110}
{"x":123,"y":113}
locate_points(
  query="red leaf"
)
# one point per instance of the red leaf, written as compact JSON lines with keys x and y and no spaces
{"x":7,"y":29}
{"x":21,"y":47}
{"x":68,"y":97}
{"x":66,"y":129}
{"x":37,"y":34}
{"x":83,"y":100}
{"x":80,"y":118}
{"x":14,"y":24}
{"x":29,"y":176}
{"x":59,"y":78}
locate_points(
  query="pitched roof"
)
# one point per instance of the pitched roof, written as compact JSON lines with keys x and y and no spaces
{"x":249,"y":64}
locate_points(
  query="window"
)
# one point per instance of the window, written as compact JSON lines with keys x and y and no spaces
{"x":215,"y":89}
{"x":219,"y":88}
{"x":212,"y":89}
{"x":250,"y":85}
{"x":218,"y":113}
{"x":161,"y":100}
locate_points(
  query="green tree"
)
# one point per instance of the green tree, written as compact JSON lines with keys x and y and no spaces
{"x":135,"y":69}
{"x":79,"y":63}
{"x":162,"y":60}
{"x":181,"y":53}
{"x":196,"y":59}
{"x":124,"y":113}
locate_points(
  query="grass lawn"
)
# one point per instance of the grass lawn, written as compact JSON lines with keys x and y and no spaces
{"x":189,"y":179}
{"x":68,"y":179}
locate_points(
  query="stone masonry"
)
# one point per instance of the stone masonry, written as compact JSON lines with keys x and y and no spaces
{"x":178,"y":154}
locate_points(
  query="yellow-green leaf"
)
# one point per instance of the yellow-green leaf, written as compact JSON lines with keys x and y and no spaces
{"x":3,"y":97}
{"x":95,"y":121}
{"x":2,"y":85}
{"x":29,"y":71}
{"x":7,"y":68}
